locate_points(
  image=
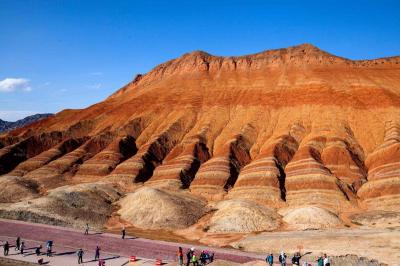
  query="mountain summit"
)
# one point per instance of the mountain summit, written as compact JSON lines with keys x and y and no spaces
{"x":281,"y":136}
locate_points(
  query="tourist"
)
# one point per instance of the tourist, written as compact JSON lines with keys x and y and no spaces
{"x":80,"y":256}
{"x":194,"y":260}
{"x":22,"y":247}
{"x":203,"y":257}
{"x":87,"y":229}
{"x":180,"y":256}
{"x":97,"y":253}
{"x":320,"y":261}
{"x":270,"y":259}
{"x":123,"y":232}
{"x":49,"y":246}
{"x":37,"y":250}
{"x":189,"y":254}
{"x":327,"y":262}
{"x":296,"y":259}
{"x":17,"y":243}
{"x":282,"y":258}
{"x":6,"y":248}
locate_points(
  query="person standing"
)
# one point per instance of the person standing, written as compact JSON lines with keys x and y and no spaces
{"x":270,"y":259}
{"x":282,"y":258}
{"x":37,"y":250}
{"x":180,"y":256}
{"x":296,"y":259}
{"x":22,"y":247}
{"x":80,"y":256}
{"x":87,"y":229}
{"x":320,"y":261}
{"x":17,"y":243}
{"x":97,"y":253}
{"x":6,"y":248}
{"x":188,"y":256}
{"x":327,"y":262}
{"x":123,"y":232}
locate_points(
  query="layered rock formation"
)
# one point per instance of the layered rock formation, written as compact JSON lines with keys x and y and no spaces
{"x":280,"y":130}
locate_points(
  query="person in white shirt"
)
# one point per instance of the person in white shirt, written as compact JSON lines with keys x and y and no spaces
{"x":327,"y":262}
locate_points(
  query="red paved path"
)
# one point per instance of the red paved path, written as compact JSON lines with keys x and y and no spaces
{"x":111,"y":243}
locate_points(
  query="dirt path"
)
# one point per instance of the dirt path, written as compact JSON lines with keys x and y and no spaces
{"x":67,"y":240}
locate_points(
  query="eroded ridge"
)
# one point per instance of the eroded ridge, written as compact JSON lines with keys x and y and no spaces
{"x":46,"y":157}
{"x":219,"y":174}
{"x":382,"y":191}
{"x":263,"y":180}
{"x":12,"y":155}
{"x":105,"y":161}
{"x":139,"y":168}
{"x":61,"y":170}
{"x":309,"y":182}
{"x":181,"y":164}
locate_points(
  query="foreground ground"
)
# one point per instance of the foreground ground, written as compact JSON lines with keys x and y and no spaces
{"x":115,"y":250}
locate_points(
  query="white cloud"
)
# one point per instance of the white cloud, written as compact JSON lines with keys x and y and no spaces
{"x":96,"y":73}
{"x":13,"y":84}
{"x":14,"y":115}
{"x":95,"y":86}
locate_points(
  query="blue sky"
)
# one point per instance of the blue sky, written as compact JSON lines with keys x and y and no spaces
{"x":71,"y":54}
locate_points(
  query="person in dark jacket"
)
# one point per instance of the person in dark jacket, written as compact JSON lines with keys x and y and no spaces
{"x":296,"y":258}
{"x":97,"y":253}
{"x":17,"y":243}
{"x":282,"y":258}
{"x":123,"y":233}
{"x":38,"y":250}
{"x":80,"y":256}
{"x":189,"y":254}
{"x":22,"y":247}
{"x":6,"y":248}
{"x":270,"y":259}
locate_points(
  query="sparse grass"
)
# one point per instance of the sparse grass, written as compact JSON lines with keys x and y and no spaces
{"x":11,"y":262}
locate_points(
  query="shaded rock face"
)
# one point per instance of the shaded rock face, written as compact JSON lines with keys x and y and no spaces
{"x":282,"y":129}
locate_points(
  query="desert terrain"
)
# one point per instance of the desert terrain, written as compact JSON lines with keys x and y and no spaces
{"x":289,"y":149}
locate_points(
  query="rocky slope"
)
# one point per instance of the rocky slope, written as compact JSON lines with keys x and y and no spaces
{"x":279,"y":136}
{"x":6,"y":125}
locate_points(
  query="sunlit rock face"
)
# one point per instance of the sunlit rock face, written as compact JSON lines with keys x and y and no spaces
{"x":281,"y":129}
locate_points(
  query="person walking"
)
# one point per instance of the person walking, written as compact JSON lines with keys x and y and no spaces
{"x":22,"y":247}
{"x":327,"y":262}
{"x":37,"y":250}
{"x":189,"y":254}
{"x":194,"y":260}
{"x":87,"y":229}
{"x":270,"y":259}
{"x":180,"y":256}
{"x":6,"y":248}
{"x":49,"y":246}
{"x":80,"y":256}
{"x":296,"y":259}
{"x":282,"y":258}
{"x":17,"y":243}
{"x":123,"y":232}
{"x":97,"y":253}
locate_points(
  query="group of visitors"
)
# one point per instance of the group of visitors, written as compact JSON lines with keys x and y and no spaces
{"x":191,"y":257}
{"x":283,"y":260}
{"x":20,"y":246}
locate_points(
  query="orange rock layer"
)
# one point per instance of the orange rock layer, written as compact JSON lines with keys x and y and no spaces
{"x":284,"y":128}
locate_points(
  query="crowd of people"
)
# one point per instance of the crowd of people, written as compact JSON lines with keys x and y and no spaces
{"x":192,"y":257}
{"x":295,"y":261}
